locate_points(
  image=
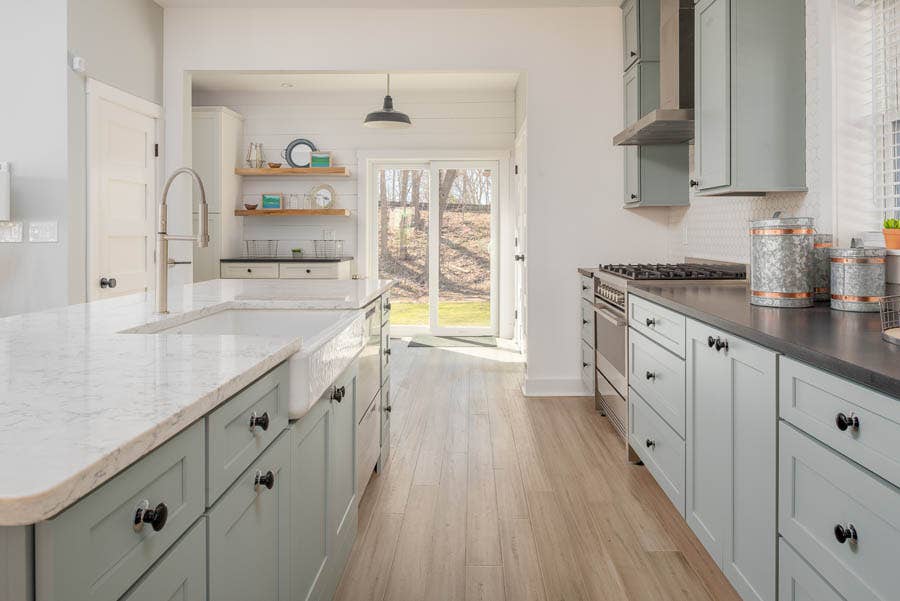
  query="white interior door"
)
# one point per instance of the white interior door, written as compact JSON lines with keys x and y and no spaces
{"x":121,"y":191}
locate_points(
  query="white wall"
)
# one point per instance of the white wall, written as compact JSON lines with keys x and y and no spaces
{"x":573,"y":61}
{"x":33,"y":120}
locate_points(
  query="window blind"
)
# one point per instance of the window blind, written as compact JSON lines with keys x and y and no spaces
{"x":886,"y":104}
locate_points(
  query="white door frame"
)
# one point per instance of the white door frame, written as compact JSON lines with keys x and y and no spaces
{"x":367,"y":232}
{"x":521,"y":234}
{"x":97,"y":92}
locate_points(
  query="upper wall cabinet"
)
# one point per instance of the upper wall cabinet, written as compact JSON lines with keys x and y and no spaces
{"x":750,"y":97}
{"x":640,"y":22}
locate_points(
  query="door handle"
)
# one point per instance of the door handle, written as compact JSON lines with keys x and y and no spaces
{"x":107,"y":282}
{"x":519,"y":257}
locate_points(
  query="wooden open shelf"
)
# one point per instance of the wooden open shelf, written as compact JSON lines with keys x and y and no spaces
{"x":284,"y":212}
{"x":295,"y":171}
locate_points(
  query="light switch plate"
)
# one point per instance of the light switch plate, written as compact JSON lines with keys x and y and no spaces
{"x":11,"y":231}
{"x":43,"y":231}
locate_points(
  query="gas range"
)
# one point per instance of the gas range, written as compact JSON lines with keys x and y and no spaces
{"x":611,"y":280}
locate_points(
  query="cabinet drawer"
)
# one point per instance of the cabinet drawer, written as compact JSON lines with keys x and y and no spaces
{"x":587,"y":288}
{"x":249,"y":538}
{"x":797,"y":581}
{"x":233,"y":442}
{"x":813,"y":400}
{"x":313,"y":271}
{"x":587,"y":323}
{"x":659,"y":446}
{"x":180,"y":574}
{"x":821,"y":491}
{"x":249,"y":270}
{"x":658,"y":376}
{"x":657,"y":323}
{"x":91,"y":551}
{"x":369,"y":447}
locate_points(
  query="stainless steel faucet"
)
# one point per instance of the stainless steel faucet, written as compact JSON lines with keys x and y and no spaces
{"x":163,"y":237}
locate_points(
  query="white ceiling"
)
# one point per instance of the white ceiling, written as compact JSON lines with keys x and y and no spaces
{"x":238,"y":81}
{"x":427,"y":4}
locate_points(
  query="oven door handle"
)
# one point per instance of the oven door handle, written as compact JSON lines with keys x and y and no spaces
{"x":609,"y":316}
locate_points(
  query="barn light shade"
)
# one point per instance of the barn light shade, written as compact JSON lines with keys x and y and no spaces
{"x":387,"y":117}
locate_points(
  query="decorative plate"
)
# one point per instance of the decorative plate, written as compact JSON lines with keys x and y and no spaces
{"x":322,"y":196}
{"x":299,"y":153}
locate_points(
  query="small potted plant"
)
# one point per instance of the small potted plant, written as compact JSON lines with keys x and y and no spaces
{"x":892,"y":233}
{"x":297,"y":253}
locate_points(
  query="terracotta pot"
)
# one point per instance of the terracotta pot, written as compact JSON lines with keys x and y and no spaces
{"x":892,"y":238}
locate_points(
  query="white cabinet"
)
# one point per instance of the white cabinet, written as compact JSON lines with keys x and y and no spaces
{"x":731,"y":456}
{"x":217,"y":137}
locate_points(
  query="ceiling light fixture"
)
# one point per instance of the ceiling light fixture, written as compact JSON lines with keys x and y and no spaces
{"x":387,"y":116}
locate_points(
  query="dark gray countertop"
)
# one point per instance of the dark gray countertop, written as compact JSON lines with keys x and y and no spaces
{"x":843,"y":343}
{"x":286,"y":260}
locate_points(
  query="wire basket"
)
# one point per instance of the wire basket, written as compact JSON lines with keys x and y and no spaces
{"x":329,"y":249}
{"x":890,"y":319}
{"x":257,"y":249}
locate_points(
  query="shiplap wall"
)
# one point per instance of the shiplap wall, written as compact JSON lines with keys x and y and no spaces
{"x":445,"y":120}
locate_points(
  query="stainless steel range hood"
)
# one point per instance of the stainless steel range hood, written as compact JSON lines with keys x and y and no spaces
{"x":673,"y":121}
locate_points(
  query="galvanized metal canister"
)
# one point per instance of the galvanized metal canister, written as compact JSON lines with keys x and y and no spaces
{"x":822,"y":244}
{"x":857,"y":279}
{"x":781,"y":262}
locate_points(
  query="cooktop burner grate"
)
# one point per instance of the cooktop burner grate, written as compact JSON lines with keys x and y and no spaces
{"x":678,"y":271}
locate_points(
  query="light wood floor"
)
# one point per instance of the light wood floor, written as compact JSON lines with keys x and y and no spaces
{"x":490,"y":496}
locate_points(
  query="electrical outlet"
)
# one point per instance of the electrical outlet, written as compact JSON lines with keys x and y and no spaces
{"x":11,"y":231}
{"x":43,"y":231}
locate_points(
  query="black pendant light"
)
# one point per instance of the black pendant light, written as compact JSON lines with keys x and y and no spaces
{"x":387,"y":116}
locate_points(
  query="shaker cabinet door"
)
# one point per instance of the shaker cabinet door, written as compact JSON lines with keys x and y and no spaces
{"x":249,"y":534}
{"x":630,"y":33}
{"x":713,"y":94}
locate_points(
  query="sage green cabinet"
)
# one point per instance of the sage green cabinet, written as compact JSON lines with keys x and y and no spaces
{"x":93,"y":552}
{"x":249,"y":553}
{"x":731,"y":437}
{"x":180,"y":574}
{"x":656,"y":176}
{"x":641,"y":84}
{"x":750,"y":97}
{"x":640,"y":31}
{"x":311,"y":449}
{"x":323,"y":491}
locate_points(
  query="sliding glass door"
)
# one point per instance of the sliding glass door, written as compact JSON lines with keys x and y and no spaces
{"x":437,"y":229}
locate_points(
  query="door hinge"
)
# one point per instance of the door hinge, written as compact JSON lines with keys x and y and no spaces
{"x":156,"y":150}
{"x":517,"y":170}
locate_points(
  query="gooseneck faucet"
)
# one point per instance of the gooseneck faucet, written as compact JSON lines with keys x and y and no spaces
{"x":163,"y":237}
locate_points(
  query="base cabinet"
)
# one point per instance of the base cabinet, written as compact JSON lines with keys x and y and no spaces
{"x":181,"y":573}
{"x":248,"y":531}
{"x":731,"y":456}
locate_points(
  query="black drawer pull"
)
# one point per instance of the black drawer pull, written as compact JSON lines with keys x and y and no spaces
{"x":844,"y":534}
{"x":711,"y":341}
{"x":339,"y":394}
{"x":155,"y":517}
{"x":261,"y":421}
{"x":650,"y":375}
{"x":845,"y":422}
{"x":650,"y":322}
{"x":650,"y":443}
{"x":267,"y":480}
{"x":584,"y":322}
{"x":387,"y":306}
{"x":387,"y":351}
{"x":387,"y":409}
{"x":721,"y":344}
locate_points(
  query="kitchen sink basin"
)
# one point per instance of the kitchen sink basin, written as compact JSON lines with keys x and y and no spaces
{"x":330,"y":340}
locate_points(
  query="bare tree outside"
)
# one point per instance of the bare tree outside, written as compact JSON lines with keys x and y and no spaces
{"x":465,"y":198}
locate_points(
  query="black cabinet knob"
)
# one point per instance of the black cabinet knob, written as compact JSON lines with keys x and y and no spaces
{"x":721,"y":344}
{"x":108,"y":282}
{"x":632,"y":53}
{"x":339,"y":394}
{"x":584,"y":322}
{"x":843,"y":534}
{"x":585,"y":288}
{"x":249,"y":270}
{"x":583,"y":364}
{"x":259,"y":420}
{"x":650,"y":443}
{"x":156,"y":517}
{"x":387,"y":351}
{"x":845,"y":422}
{"x":650,"y":322}
{"x":694,"y":183}
{"x":267,"y":480}
{"x":387,"y":306}
{"x":650,"y":375}
{"x":388,"y":409}
{"x":711,"y":341}
{"x":309,"y":271}
{"x":634,"y":197}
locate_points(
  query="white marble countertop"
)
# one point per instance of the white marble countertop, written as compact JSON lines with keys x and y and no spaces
{"x":80,"y":400}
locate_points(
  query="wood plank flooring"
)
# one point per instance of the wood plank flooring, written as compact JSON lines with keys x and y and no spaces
{"x":491,"y":496}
